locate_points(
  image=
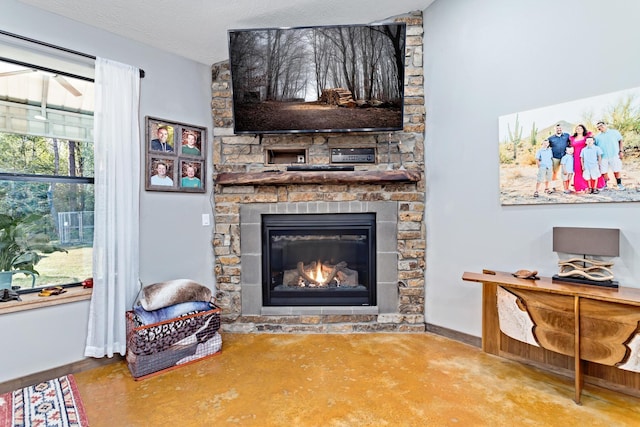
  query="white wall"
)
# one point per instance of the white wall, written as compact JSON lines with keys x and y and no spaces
{"x":487,"y":58}
{"x":173,"y":243}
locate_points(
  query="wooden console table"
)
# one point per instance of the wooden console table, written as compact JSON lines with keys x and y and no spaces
{"x":593,"y":328}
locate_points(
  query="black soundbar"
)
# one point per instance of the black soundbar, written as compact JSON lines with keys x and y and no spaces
{"x":319,"y":168}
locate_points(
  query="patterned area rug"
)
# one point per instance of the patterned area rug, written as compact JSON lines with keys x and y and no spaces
{"x":53,"y":403}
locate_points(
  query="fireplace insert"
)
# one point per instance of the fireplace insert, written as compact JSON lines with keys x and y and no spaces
{"x":319,"y":259}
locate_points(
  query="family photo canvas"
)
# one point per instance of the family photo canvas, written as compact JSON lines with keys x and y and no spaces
{"x":582,"y":151}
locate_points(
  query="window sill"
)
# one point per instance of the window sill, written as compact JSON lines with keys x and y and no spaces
{"x":31,"y":301}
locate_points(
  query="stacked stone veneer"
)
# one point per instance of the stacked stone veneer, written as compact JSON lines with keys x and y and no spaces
{"x":403,"y":307}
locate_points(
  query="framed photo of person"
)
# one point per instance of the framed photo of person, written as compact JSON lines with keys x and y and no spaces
{"x":191,"y":142}
{"x":160,"y":136}
{"x":175,"y":156}
{"x":162,"y":172}
{"x":191,"y":174}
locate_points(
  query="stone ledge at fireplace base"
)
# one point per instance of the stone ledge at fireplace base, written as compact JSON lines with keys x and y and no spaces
{"x":334,"y":310}
{"x":331,"y":323}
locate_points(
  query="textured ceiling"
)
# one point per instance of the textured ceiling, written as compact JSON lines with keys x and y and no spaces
{"x":197,"y":29}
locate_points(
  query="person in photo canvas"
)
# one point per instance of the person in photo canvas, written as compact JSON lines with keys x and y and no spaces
{"x":610,"y":141}
{"x":566,"y":163}
{"x":544,"y":158}
{"x":591,"y":156}
{"x":558,"y":142}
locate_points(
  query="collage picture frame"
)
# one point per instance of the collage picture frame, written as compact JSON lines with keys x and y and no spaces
{"x":175,"y":156}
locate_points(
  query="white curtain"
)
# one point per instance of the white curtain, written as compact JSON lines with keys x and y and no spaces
{"x":116,"y":223}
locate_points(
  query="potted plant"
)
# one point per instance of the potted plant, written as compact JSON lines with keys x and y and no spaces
{"x":21,"y":247}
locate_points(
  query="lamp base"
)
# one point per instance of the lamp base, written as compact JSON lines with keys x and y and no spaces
{"x":583,"y":281}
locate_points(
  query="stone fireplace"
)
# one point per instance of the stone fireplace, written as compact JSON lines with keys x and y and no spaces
{"x":363,"y":229}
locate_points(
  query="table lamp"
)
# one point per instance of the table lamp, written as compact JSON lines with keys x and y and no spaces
{"x":586,"y":242}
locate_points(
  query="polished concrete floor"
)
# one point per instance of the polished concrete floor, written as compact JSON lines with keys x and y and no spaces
{"x":348,"y":380}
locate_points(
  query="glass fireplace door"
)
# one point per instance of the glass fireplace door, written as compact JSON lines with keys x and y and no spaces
{"x":318,"y":259}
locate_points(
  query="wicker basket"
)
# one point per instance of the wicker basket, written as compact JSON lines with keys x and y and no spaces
{"x":162,"y":346}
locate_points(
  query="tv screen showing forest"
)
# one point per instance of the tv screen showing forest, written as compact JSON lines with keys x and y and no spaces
{"x":318,"y":79}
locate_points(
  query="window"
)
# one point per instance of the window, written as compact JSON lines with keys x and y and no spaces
{"x":46,"y":173}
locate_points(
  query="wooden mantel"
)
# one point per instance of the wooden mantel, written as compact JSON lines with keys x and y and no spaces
{"x":316,"y":177}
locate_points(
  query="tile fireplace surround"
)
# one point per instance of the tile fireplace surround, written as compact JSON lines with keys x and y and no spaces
{"x":393,"y":188}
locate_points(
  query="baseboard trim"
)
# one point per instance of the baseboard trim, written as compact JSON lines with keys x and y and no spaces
{"x":455,"y":335}
{"x":71,"y":368}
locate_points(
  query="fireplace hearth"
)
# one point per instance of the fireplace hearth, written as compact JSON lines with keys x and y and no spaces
{"x":319,"y":260}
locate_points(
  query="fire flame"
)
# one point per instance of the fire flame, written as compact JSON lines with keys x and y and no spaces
{"x":318,"y":277}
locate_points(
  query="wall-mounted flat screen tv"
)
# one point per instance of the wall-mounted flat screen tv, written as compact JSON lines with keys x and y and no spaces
{"x":318,"y":79}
